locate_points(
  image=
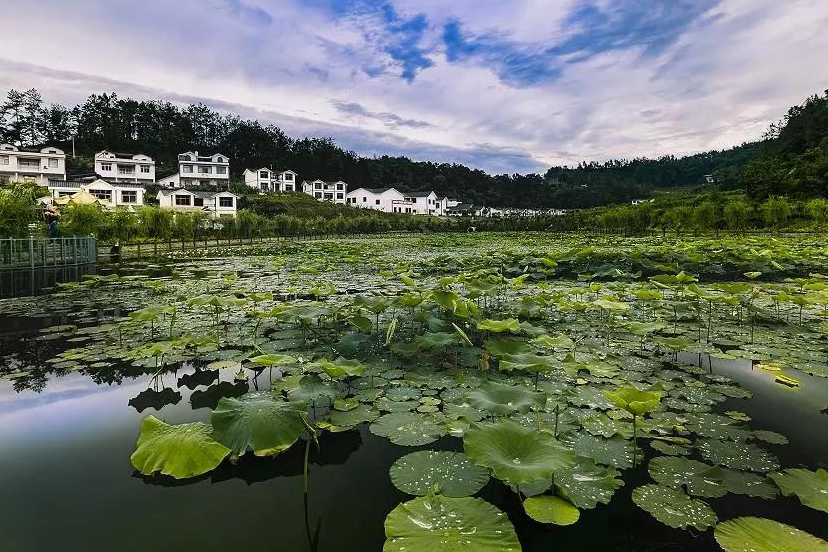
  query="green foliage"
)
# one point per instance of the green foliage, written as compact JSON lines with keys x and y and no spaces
{"x":18,"y":209}
{"x":82,"y":220}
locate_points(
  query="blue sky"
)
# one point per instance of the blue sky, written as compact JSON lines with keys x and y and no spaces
{"x":507,"y":86}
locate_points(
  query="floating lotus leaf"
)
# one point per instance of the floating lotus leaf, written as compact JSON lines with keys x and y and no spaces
{"x":395,"y":406}
{"x":559,"y":341}
{"x":739,"y":456}
{"x":770,"y":437}
{"x":674,"y":508}
{"x":602,"y":425}
{"x":752,"y":534}
{"x":498,"y":326}
{"x":345,"y":405}
{"x":408,"y":429}
{"x":747,"y":483}
{"x":341,"y":367}
{"x":437,"y":523}
{"x":343,"y":421}
{"x":452,"y":473}
{"x":258,"y":422}
{"x":633,"y":400}
{"x":527,"y":361}
{"x":587,"y":484}
{"x":500,"y":400}
{"x":180,"y":451}
{"x":697,"y":478}
{"x":273,"y":359}
{"x":811,"y":487}
{"x":615,"y":452}
{"x":586,"y":395}
{"x":516,"y":454}
{"x":669,"y":448}
{"x":400,"y":394}
{"x":311,"y":389}
{"x":463,"y":410}
{"x":551,"y":509}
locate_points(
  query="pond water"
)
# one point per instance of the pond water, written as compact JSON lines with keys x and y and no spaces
{"x":67,"y":483}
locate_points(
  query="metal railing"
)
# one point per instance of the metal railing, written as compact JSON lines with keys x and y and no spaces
{"x":30,"y":253}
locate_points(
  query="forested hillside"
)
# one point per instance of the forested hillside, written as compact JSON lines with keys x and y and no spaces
{"x":792,"y":159}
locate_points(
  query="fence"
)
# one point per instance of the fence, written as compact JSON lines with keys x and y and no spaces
{"x":31,"y":253}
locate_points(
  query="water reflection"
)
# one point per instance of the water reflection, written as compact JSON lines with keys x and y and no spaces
{"x":155,"y":399}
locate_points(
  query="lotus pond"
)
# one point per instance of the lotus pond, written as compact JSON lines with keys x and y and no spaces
{"x":490,"y":392}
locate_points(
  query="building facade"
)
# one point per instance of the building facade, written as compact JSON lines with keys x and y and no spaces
{"x":391,"y":200}
{"x":31,"y":165}
{"x":266,"y":180}
{"x":199,"y":170}
{"x":217,"y":204}
{"x":119,"y":194}
{"x":326,"y":191}
{"x":125,"y":167}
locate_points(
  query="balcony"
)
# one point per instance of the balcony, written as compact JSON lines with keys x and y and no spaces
{"x":28,"y":164}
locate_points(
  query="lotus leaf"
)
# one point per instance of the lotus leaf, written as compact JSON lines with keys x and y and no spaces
{"x":811,"y":487}
{"x":634,"y":400}
{"x":409,"y":429}
{"x":500,"y":400}
{"x":180,"y":451}
{"x":551,"y":509}
{"x":437,"y":523}
{"x":452,"y":473}
{"x":674,"y":508}
{"x":587,"y":484}
{"x":739,"y":456}
{"x":752,"y":534}
{"x":516,"y":454}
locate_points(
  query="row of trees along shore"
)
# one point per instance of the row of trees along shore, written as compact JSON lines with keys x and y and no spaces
{"x":301,"y":215}
{"x":790,"y":159}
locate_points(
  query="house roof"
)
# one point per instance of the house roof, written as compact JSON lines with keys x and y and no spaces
{"x":79,"y":183}
{"x":418,"y":194}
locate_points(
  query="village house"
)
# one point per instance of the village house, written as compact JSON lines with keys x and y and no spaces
{"x":197,"y":170}
{"x":217,"y":204}
{"x":326,"y":191}
{"x":118,"y":194}
{"x":31,"y":165}
{"x":124,"y":167}
{"x":391,"y":200}
{"x":267,"y":180}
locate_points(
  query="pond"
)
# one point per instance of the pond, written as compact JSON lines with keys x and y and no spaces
{"x":79,"y":374}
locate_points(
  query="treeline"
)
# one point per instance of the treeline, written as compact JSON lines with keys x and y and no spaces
{"x":710,"y":212}
{"x":794,"y":159}
{"x":162,"y":130}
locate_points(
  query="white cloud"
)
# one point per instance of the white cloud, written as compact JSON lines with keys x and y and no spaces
{"x":721,"y":82}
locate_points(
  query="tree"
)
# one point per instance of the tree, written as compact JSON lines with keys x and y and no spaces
{"x":18,"y":209}
{"x":776,"y":211}
{"x":82,"y":219}
{"x":737,"y":215}
{"x":708,"y":216}
{"x":817,"y":210}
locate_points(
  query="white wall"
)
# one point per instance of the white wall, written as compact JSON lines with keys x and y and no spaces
{"x":38,"y":167}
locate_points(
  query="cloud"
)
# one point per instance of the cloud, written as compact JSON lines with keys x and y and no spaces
{"x":504,"y":86}
{"x":389,"y":119}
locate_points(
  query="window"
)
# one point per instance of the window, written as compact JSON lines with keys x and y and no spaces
{"x":31,"y":164}
{"x":289,"y":187}
{"x":4,"y":159}
{"x":219,"y":159}
{"x":340,"y":186}
{"x":317,"y":185}
{"x":317,"y":195}
{"x":289,"y":177}
{"x":129,"y":196}
{"x":364,"y":199}
{"x":263,"y":174}
{"x":221,"y":170}
{"x":187,"y":168}
{"x":184,"y":158}
{"x":145,"y":169}
{"x":339,"y":196}
{"x":106,"y":195}
{"x":198,"y":201}
{"x":226,"y":202}
{"x":126,"y":169}
{"x":378,"y":202}
{"x":204,"y":169}
{"x":182,"y":199}
{"x":328,"y":196}
{"x":53,"y":163}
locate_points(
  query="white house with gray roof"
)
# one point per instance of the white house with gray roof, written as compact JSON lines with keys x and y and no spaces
{"x":36,"y":165}
{"x":116,"y":194}
{"x":125,"y":167}
{"x":217,"y":204}
{"x":268,"y":180}
{"x":199,"y":170}
{"x":391,"y":200}
{"x":333,"y":191}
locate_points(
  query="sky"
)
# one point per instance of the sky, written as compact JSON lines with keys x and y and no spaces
{"x":502,"y":85}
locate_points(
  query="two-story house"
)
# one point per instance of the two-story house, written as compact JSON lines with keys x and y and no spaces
{"x":426,"y":203}
{"x":125,"y":167}
{"x":217,"y":204}
{"x":31,"y":165}
{"x":118,"y":194}
{"x":326,"y":191}
{"x":198,"y":170}
{"x":267,"y":180}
